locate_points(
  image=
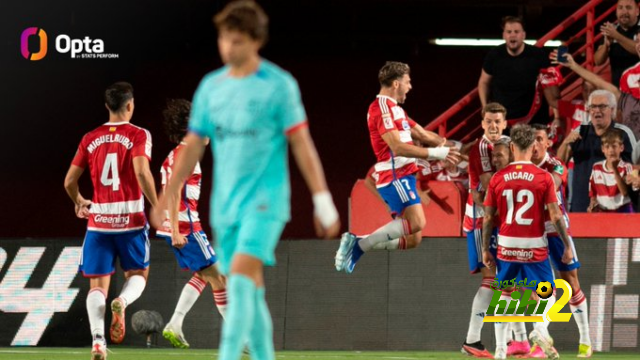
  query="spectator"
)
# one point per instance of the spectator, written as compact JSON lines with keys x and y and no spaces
{"x":586,"y":147}
{"x":628,"y":96}
{"x":607,"y":187}
{"x":618,"y":45}
{"x":510,"y":77}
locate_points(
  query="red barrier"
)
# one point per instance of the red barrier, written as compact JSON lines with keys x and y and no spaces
{"x":444,"y":216}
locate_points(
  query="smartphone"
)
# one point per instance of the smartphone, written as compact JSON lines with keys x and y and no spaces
{"x":562,"y":50}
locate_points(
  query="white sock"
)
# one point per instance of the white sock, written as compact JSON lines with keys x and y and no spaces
{"x":132,"y":289}
{"x":502,"y":329}
{"x":392,"y":230}
{"x":478,"y":308}
{"x":96,"y":301}
{"x":580,"y":310}
{"x":220,"y":297}
{"x":386,"y":245}
{"x":519,"y":330}
{"x":190,"y":294}
{"x":542,"y":327}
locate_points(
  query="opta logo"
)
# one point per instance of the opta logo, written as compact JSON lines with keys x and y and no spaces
{"x":24,"y":43}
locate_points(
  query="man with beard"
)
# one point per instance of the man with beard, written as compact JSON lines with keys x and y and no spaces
{"x":510,"y":77}
{"x":618,"y":45}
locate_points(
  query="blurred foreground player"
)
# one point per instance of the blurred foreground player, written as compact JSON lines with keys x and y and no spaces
{"x":184,"y":232}
{"x":117,"y":154}
{"x":250,"y":109}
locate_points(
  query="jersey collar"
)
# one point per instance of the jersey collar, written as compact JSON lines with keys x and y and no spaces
{"x":387,"y":97}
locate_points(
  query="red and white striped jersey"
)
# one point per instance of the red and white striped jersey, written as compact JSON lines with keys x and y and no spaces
{"x":437,"y":171}
{"x":188,"y":217}
{"x":553,"y":165}
{"x":386,"y":115}
{"x":108,"y":151}
{"x":603,"y":186}
{"x":520,"y":192}
{"x":479,"y":163}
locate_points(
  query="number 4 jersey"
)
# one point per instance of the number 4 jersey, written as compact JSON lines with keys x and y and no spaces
{"x":108,"y":151}
{"x":519,"y":193}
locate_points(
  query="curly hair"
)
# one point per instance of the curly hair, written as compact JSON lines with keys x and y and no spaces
{"x":176,"y":119}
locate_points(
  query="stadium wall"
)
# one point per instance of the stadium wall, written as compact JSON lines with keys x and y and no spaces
{"x":418,"y":299}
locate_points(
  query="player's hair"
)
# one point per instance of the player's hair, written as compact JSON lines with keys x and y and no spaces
{"x":510,"y":20}
{"x":117,"y":95}
{"x":503,"y":142}
{"x":494,"y":108}
{"x":540,"y":127}
{"x":391,"y":71}
{"x":244,"y":16}
{"x":523,"y":136}
{"x":176,"y":119}
{"x":611,"y":136}
{"x":611,"y":98}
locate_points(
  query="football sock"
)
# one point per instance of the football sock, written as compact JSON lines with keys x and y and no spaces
{"x":502,"y":328}
{"x":478,"y":308}
{"x":96,"y":300}
{"x":389,"y":232}
{"x":132,"y":289}
{"x":580,"y":310}
{"x":241,"y":309}
{"x":261,"y":335}
{"x":190,"y":294}
{"x":220,"y":297}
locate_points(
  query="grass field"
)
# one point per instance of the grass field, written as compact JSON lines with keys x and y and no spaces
{"x":118,"y":353}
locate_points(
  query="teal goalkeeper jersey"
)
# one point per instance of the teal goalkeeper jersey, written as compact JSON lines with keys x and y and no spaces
{"x":247,"y":120}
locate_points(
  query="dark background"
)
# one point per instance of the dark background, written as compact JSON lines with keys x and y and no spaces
{"x":334,"y":49}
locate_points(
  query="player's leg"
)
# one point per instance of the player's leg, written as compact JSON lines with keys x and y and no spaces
{"x":578,"y":303}
{"x":204,"y":259}
{"x":242,"y":252}
{"x":401,"y":196}
{"x":473,"y":344}
{"x":134,"y":253}
{"x":540,"y":334}
{"x":218,"y":286}
{"x":505,"y":271}
{"x":97,"y":263}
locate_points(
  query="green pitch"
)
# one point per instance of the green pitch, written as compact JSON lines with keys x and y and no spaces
{"x":122,"y":353}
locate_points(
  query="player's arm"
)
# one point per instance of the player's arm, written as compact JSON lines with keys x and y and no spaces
{"x":478,"y":196}
{"x":399,"y":148}
{"x":483,"y":87}
{"x":326,"y":218}
{"x":555,"y":214}
{"x":487,"y":231}
{"x":145,"y":179}
{"x":428,"y":137}
{"x":183,"y":167}
{"x":73,"y":190}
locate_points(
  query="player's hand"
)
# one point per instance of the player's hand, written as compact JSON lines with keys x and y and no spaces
{"x":326,"y":233}
{"x":488,"y":259}
{"x":178,"y":241}
{"x":82,"y":209}
{"x":453,"y":157}
{"x":567,"y":256}
{"x":157,"y":215}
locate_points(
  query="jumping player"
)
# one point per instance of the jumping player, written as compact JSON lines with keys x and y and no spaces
{"x":390,"y":133}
